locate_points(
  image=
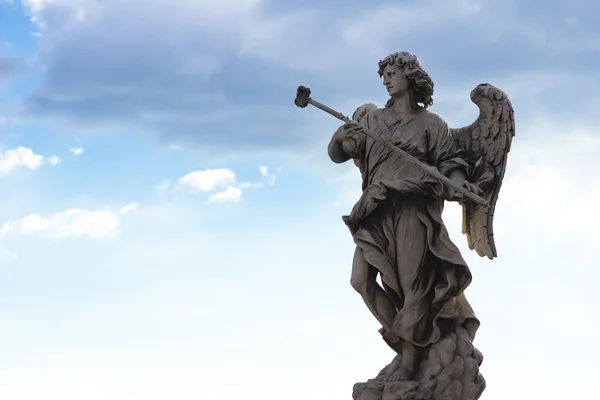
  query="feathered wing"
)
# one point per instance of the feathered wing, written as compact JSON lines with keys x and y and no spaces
{"x":363,"y":110}
{"x":486,"y":144}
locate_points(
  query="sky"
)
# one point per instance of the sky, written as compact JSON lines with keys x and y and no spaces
{"x":170,"y":223}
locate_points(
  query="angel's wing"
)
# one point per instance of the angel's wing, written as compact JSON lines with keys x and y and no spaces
{"x":486,"y":144}
{"x":363,"y":110}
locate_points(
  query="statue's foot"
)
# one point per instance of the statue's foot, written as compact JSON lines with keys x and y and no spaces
{"x":401,"y":374}
{"x":402,"y":368}
{"x":392,"y":367}
{"x":405,"y":370}
{"x":449,"y":369}
{"x":395,"y":371}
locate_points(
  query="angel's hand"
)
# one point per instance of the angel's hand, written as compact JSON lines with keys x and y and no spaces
{"x":347,"y":131}
{"x":352,"y":128}
{"x":455,"y":195}
{"x":471,"y":187}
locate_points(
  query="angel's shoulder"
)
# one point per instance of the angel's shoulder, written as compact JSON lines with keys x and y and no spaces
{"x":434,"y":121}
{"x":370,"y":117}
{"x":374,"y":113}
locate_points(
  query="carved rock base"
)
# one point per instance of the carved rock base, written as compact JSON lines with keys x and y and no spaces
{"x":449,"y":370}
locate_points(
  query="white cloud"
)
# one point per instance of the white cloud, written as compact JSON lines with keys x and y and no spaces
{"x":24,"y":157}
{"x":39,"y":5}
{"x":73,"y":223}
{"x":230,"y":195}
{"x":267,"y":176}
{"x":178,"y":319}
{"x":76,"y":150}
{"x":129,"y":208}
{"x":208,"y":179}
{"x":54,"y":160}
{"x":267,"y":179}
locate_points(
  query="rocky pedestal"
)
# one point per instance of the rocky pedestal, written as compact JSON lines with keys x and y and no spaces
{"x":449,"y":370}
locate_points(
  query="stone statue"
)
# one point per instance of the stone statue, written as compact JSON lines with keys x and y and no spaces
{"x":361,"y":112}
{"x":411,"y":161}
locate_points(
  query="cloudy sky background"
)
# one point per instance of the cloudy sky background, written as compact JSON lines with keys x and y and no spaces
{"x":170,"y":222}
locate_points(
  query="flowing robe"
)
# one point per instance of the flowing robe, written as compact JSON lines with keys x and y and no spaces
{"x":398,"y":226}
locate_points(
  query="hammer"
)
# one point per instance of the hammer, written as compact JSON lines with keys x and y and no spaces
{"x":303,"y":99}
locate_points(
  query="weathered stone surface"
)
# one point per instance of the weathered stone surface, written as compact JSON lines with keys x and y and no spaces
{"x":449,"y":371}
{"x":411,"y":161}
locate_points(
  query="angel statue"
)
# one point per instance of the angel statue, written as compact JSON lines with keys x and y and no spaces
{"x":400,"y":236}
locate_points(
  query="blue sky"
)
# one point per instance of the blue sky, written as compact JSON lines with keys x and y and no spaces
{"x":170,"y":222}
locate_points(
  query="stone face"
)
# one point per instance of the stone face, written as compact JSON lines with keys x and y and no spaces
{"x":410,"y":162}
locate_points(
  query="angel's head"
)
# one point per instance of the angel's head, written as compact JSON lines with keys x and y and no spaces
{"x":402,"y":72}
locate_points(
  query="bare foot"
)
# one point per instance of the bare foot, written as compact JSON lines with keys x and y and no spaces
{"x":402,"y":367}
{"x":394,"y":365}
{"x":401,"y":374}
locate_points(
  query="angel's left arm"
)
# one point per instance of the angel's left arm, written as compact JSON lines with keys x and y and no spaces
{"x":444,"y":153}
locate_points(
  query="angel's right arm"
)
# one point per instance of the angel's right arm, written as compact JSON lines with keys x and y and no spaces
{"x":343,"y":148}
{"x":339,"y":148}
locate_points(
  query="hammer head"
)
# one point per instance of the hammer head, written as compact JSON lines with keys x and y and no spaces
{"x":302,"y":96}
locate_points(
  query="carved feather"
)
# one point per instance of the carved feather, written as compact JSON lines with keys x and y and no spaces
{"x":486,"y":144}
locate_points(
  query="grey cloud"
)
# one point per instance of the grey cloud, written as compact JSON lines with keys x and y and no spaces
{"x":208,"y":76}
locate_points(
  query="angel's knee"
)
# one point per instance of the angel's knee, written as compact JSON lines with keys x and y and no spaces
{"x":360,"y":273}
{"x":360,"y":284}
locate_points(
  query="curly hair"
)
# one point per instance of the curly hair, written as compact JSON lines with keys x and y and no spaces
{"x":420,"y":83}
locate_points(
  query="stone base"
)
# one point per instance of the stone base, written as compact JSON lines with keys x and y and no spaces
{"x":448,"y":371}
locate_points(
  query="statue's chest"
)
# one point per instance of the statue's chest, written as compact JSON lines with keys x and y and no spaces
{"x":410,"y":136}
